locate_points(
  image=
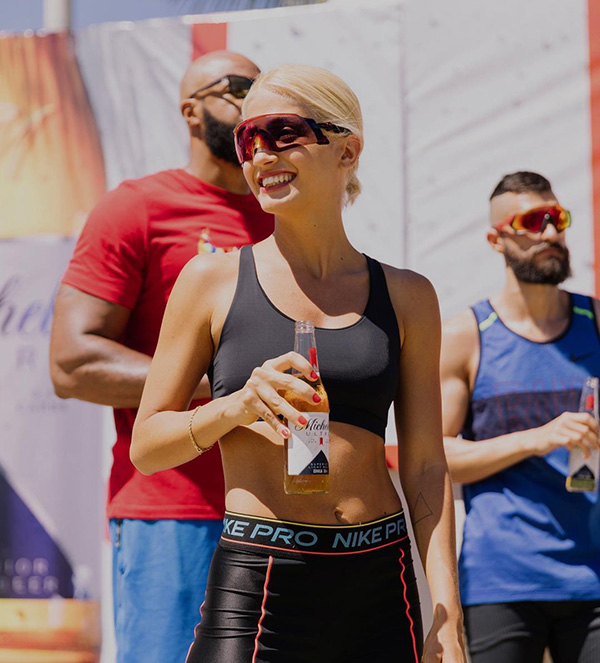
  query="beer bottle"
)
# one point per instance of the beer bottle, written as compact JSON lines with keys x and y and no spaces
{"x":306,"y":466}
{"x":583,"y":470}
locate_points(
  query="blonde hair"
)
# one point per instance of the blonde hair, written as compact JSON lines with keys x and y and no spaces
{"x":326,"y":98}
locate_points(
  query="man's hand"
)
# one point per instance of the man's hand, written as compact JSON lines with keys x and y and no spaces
{"x":570,"y":429}
{"x":445,"y":642}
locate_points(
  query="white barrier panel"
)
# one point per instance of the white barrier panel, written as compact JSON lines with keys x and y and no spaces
{"x":492,"y":88}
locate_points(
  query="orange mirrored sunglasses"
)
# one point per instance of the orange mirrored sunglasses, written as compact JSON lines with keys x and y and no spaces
{"x":536,"y":219}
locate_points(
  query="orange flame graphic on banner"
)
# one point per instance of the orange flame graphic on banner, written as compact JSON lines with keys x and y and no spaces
{"x":51,"y":166}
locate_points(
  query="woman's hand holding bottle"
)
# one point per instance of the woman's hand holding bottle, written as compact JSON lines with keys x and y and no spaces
{"x":261,"y":398}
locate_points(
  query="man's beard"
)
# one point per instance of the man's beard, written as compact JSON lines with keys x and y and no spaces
{"x":218,"y":137}
{"x":552,"y":270}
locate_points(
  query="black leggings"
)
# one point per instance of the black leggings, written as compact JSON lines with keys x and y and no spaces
{"x":519,"y":632}
{"x":279,"y":605}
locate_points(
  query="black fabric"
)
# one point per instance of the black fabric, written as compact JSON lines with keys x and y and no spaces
{"x":353,"y":608}
{"x":519,"y":632}
{"x":358,"y":364}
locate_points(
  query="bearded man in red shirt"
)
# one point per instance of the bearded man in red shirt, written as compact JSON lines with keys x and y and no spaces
{"x":107,"y":319}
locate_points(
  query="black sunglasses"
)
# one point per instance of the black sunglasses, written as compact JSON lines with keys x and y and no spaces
{"x":236,"y":86}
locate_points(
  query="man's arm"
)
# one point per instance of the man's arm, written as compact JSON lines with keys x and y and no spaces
{"x":472,"y":461}
{"x":86,"y":359}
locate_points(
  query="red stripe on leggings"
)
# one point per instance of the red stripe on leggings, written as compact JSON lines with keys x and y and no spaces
{"x":410,"y":619}
{"x":195,"y":632}
{"x":200,"y":611}
{"x":262,"y":608}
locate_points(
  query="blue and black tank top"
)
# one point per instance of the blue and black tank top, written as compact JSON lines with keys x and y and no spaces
{"x":526,"y":537}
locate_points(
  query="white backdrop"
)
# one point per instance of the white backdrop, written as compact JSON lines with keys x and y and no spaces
{"x":492,"y":88}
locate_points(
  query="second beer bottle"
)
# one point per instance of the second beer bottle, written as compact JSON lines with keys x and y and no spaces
{"x":306,"y":466}
{"x":585,"y":467}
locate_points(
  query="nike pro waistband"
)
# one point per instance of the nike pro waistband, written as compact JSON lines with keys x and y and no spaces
{"x":316,"y":539}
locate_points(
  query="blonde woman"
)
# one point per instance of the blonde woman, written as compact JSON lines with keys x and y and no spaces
{"x":280,"y":589}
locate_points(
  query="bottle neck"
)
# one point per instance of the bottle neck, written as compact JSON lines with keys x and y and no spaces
{"x":589,"y":397}
{"x":305,"y":345}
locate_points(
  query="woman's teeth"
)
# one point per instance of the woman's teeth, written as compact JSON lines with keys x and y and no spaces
{"x":274,"y":180}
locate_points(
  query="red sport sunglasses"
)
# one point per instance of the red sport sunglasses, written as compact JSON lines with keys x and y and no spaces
{"x":535,"y":220}
{"x":280,"y":132}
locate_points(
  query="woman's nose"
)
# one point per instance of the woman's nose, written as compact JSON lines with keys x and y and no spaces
{"x":261,"y":152}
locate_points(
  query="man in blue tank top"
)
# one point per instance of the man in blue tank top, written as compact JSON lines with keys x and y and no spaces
{"x":512,"y":371}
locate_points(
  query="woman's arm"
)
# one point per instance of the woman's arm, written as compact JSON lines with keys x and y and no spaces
{"x":193,"y":318}
{"x":423,"y":470}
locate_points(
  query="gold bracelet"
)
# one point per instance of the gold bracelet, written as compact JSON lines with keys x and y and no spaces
{"x":200,"y":450}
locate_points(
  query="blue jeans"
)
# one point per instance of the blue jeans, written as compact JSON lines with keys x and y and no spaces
{"x":159,"y":580}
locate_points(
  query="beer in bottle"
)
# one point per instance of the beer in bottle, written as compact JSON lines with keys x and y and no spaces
{"x":307,"y":450}
{"x":583,"y":471}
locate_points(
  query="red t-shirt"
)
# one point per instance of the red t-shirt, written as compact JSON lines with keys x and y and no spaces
{"x":132,"y":248}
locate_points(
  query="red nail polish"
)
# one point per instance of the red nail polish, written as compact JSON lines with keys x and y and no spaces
{"x":303,"y":420}
{"x":285,"y":432}
{"x":314,"y":375}
{"x":316,"y":398}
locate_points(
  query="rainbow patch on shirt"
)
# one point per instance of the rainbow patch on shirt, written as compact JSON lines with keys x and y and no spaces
{"x":205,"y":244}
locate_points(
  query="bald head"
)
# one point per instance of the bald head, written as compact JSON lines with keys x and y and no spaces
{"x":212,"y":66}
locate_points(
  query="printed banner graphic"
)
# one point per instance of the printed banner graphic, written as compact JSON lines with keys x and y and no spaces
{"x":51,"y":169}
{"x":50,"y":485}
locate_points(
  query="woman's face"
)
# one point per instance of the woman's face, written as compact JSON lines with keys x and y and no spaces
{"x":297,"y":178}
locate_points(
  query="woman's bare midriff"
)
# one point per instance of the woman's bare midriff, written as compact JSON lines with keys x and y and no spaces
{"x":360,"y":487}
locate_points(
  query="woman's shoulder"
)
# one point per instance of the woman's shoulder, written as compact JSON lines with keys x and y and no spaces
{"x":408,"y":286}
{"x":205,"y":279}
{"x":209,"y":271}
{"x":203,"y":291}
{"x":414,"y":299}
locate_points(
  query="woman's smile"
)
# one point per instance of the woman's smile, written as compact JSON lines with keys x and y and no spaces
{"x":274,"y":180}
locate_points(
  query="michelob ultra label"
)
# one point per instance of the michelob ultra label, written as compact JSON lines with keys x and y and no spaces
{"x":583,"y":470}
{"x":308,"y":447}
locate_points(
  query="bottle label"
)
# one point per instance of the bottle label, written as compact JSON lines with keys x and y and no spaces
{"x":583,"y":471}
{"x":308,"y":447}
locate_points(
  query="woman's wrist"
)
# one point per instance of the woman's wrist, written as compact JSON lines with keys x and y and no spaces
{"x":233,"y":410}
{"x":209,"y":422}
{"x":199,"y":449}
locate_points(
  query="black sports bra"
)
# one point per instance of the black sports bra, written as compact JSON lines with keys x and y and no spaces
{"x":358,"y":364}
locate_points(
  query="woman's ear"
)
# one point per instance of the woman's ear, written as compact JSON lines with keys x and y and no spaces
{"x":350,"y":152}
